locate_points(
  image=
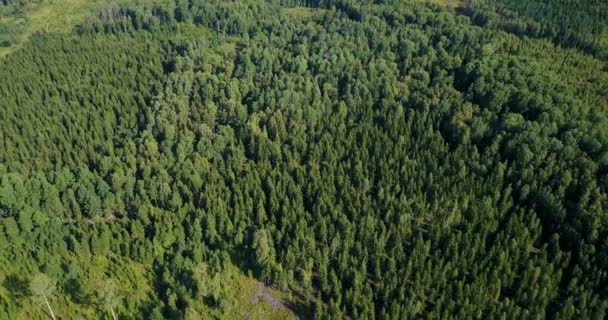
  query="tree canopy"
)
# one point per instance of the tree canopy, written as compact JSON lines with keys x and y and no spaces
{"x":368,"y":159}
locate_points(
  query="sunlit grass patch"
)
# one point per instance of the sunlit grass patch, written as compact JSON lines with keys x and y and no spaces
{"x":448,"y":3}
{"x":300,"y":12}
{"x":48,"y":16}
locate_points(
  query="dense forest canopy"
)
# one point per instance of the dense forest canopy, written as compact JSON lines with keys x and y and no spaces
{"x":581,"y":24}
{"x":336,"y":159}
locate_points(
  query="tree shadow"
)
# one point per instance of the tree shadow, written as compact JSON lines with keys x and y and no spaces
{"x":74,"y":290}
{"x":300,"y":305}
{"x":17,"y":286}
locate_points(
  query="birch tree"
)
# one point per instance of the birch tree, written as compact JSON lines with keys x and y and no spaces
{"x":42,"y":286}
{"x":107,"y":294}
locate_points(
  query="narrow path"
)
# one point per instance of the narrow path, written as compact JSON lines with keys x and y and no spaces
{"x":264,"y":293}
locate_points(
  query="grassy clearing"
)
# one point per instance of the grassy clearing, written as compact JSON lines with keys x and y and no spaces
{"x":248,"y":305}
{"x":243,"y":296}
{"x":60,"y":16}
{"x":17,"y":24}
{"x":48,"y":16}
{"x":300,"y":12}
{"x":79,"y":302}
{"x":231,"y":294}
{"x":456,"y":4}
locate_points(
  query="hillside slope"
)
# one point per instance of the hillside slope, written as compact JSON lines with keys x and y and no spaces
{"x":325,"y":159}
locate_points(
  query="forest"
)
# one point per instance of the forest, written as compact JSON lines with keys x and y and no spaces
{"x":580,"y":24}
{"x":311,"y":159}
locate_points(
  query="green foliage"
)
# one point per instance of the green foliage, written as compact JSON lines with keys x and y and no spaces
{"x":579,"y":24}
{"x":41,"y":285}
{"x":367,"y":160}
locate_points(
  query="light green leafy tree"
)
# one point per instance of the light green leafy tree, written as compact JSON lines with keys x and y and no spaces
{"x":42,"y":287}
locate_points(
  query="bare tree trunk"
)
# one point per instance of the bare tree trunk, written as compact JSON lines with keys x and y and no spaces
{"x":113,"y":315}
{"x":49,"y":306}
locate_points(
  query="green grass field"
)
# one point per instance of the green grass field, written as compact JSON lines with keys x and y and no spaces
{"x":448,"y":3}
{"x":48,"y":16}
{"x":18,"y":23}
{"x":300,"y":12}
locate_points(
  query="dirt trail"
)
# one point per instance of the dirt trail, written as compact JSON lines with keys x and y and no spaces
{"x":264,"y":293}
